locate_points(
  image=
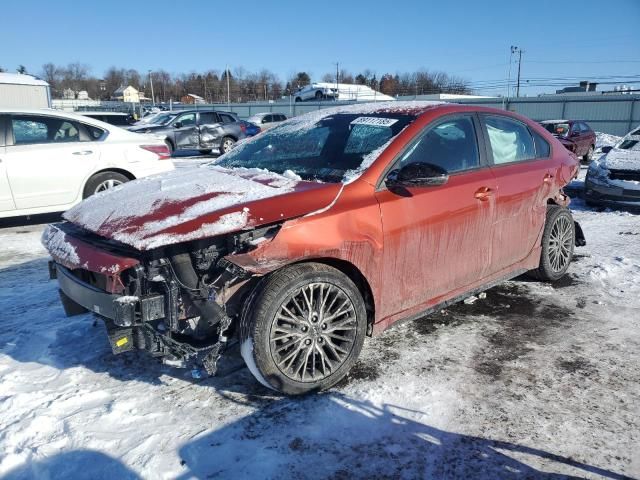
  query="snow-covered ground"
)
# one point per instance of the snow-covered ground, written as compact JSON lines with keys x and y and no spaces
{"x":534,"y":381}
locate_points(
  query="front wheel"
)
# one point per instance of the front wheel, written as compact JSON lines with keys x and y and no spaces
{"x":558,"y":241}
{"x":303,"y":328}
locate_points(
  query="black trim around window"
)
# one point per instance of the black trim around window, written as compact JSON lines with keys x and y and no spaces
{"x":480,"y":145}
{"x":491,"y":162}
{"x":3,"y":122}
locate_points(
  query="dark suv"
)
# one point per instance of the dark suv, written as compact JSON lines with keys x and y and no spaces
{"x":203,"y":130}
{"x":575,"y":135}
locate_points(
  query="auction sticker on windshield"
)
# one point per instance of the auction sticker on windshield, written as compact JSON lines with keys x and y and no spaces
{"x":377,"y":121}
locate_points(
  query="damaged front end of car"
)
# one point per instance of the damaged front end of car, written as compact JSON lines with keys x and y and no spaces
{"x":179,"y":302}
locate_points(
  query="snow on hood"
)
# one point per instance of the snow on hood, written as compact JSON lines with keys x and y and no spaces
{"x":194,"y":203}
{"x":623,"y":159}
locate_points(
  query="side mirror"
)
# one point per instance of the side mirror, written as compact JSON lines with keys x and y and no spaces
{"x":606,"y":149}
{"x":264,"y":120}
{"x":177,"y":125}
{"x":417,"y":174}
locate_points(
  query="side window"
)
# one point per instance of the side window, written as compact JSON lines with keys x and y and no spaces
{"x":510,"y":140}
{"x":267,"y":119}
{"x":451,"y":145}
{"x":187,"y":119}
{"x":585,"y":128}
{"x":575,"y":127}
{"x":94,"y":133}
{"x":208,"y":118}
{"x":227,"y":118}
{"x":543,"y":149}
{"x":28,"y":130}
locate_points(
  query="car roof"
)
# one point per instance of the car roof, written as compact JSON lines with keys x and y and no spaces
{"x":98,"y":112}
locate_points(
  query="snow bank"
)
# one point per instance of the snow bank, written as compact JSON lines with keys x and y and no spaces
{"x":606,"y":140}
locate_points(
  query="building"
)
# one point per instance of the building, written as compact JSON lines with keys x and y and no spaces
{"x":128,"y":94}
{"x":191,"y":99}
{"x":23,"y":91}
{"x":583,"y":87}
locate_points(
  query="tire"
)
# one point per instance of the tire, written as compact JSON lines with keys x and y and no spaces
{"x":103,"y":181}
{"x":205,"y":151}
{"x":589,"y":155}
{"x":319,"y":95}
{"x":298,"y":356}
{"x":227,"y":144}
{"x":558,"y":242}
{"x":298,"y":99}
{"x":170,"y":146}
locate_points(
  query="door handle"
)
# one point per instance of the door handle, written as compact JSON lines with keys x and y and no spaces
{"x":83,"y":152}
{"x":547,"y":178}
{"x":483,"y":193}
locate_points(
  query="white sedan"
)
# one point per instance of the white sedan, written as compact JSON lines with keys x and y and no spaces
{"x":51,"y":160}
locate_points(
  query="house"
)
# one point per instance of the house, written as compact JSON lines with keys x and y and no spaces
{"x":128,"y":94}
{"x":191,"y":98}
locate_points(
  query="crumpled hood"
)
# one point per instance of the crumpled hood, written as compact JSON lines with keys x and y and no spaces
{"x":619,"y":159}
{"x":195,"y":203}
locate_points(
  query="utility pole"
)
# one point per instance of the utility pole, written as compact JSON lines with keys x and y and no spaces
{"x":337,"y":81}
{"x":520,"y":52}
{"x":514,"y":49}
{"x":228,"y":92}
{"x":153,"y":97}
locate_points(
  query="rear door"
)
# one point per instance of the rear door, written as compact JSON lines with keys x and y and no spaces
{"x":438,"y":239}
{"x":47,"y":159}
{"x":523,"y":171}
{"x":186,"y":131}
{"x":210,"y":129}
{"x":6,"y":198}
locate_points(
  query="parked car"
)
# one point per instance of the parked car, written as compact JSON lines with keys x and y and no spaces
{"x":50,"y":160}
{"x":157,"y":119}
{"x":267,"y":120}
{"x":614,"y":179}
{"x":576,"y":136}
{"x":316,"y":91}
{"x":250,"y":129}
{"x":119,"y":119}
{"x":203,"y":130}
{"x":317,"y":233}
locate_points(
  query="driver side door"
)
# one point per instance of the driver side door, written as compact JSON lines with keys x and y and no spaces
{"x":438,"y":239}
{"x":186,"y":131}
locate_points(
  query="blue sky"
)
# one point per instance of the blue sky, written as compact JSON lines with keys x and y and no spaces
{"x":471,"y":39}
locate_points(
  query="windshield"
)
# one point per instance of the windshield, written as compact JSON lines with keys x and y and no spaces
{"x":630,"y":144}
{"x":323,"y":151}
{"x":163,"y":118}
{"x":560,"y":129}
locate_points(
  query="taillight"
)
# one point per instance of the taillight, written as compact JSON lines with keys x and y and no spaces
{"x":161,"y":150}
{"x":243,"y":127}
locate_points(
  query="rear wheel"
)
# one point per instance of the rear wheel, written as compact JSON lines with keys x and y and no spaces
{"x":319,"y":95}
{"x":170,"y":146}
{"x":589,"y":155}
{"x":298,"y":99}
{"x":558,"y":241}
{"x":103,"y":181}
{"x":303,"y":328}
{"x":227,"y":144}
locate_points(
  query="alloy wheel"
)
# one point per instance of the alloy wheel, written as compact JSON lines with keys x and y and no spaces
{"x":107,"y":185}
{"x":227,"y":145}
{"x":313,"y":332}
{"x":560,"y":242}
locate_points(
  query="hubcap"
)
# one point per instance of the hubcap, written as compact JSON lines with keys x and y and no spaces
{"x":560,"y":242}
{"x":107,"y":185}
{"x":226,"y":146}
{"x":313,"y":332}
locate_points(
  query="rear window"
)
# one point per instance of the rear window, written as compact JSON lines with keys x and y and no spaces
{"x":543,"y":149}
{"x":227,"y":118}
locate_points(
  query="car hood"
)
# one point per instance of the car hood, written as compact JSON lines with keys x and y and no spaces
{"x":619,"y":159}
{"x":196,"y":203}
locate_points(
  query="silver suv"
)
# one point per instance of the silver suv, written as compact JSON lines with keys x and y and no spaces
{"x":203,"y":130}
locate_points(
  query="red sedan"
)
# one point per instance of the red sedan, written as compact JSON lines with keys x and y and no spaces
{"x":330,"y":227}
